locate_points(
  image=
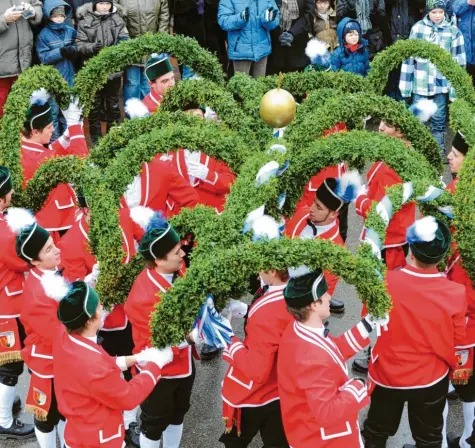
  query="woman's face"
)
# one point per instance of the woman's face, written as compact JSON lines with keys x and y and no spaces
{"x":323,"y":6}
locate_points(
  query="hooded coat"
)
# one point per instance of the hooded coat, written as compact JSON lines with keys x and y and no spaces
{"x":466,"y":22}
{"x":55,"y":36}
{"x":16,"y":39}
{"x":343,"y":59}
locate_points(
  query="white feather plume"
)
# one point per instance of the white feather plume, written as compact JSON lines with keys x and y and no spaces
{"x":142,"y":215}
{"x":19,"y":219}
{"x":135,"y":108}
{"x":350,"y":185}
{"x":425,"y":228}
{"x":266,"y":228}
{"x":55,"y":286}
{"x":314,"y":48}
{"x":40,"y":97}
{"x":299,"y":271}
{"x":425,"y":109}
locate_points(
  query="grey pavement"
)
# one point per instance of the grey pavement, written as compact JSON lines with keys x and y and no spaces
{"x":203,"y":424}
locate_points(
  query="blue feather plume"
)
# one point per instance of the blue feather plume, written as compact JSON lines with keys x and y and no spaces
{"x":348,"y":186}
{"x":157,"y":221}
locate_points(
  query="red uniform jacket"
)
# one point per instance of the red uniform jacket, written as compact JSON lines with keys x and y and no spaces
{"x":152,"y":101}
{"x":12,"y":273}
{"x":92,"y":394}
{"x":213,"y":190}
{"x":319,"y":402}
{"x":59,"y":208}
{"x":379,"y":177}
{"x":77,"y":259}
{"x":295,"y":226}
{"x":160,"y":182}
{"x":308,"y":197}
{"x":427,"y":322}
{"x":251,"y":379}
{"x":140,"y":304}
{"x":456,"y":272}
{"x":40,"y":319}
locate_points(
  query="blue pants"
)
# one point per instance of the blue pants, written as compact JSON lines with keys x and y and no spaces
{"x":439,"y":119}
{"x":135,"y":83}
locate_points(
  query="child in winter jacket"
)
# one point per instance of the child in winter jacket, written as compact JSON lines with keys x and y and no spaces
{"x":352,"y":54}
{"x":56,"y":46}
{"x":249,"y":25}
{"x":420,"y":78}
{"x":102,"y":24}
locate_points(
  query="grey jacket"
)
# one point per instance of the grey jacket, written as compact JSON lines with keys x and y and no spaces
{"x":146,"y":16}
{"x":16,"y":39}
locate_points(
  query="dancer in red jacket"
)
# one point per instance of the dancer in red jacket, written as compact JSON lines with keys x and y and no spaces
{"x":411,"y":362}
{"x":159,"y":72}
{"x":320,"y":403}
{"x":57,"y":213}
{"x":12,"y":278}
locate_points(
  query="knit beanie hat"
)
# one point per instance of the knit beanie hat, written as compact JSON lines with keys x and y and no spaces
{"x":352,"y":25}
{"x":436,"y":4}
{"x":58,"y":11}
{"x":6,"y":183}
{"x":95,"y":2}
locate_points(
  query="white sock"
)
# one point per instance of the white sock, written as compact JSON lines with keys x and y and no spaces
{"x":60,"y":429}
{"x":130,"y":417}
{"x":147,"y":443}
{"x":445,"y":414}
{"x":172,"y":436}
{"x":7,"y":397}
{"x":468,"y":417}
{"x":46,"y":439}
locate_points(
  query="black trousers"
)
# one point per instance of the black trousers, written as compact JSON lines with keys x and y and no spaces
{"x":425,"y":408}
{"x":267,"y":420}
{"x":9,"y":373}
{"x":107,"y":99}
{"x":54,"y":416}
{"x":467,"y":391}
{"x":166,"y":405}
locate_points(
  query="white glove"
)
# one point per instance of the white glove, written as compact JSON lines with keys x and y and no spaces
{"x":159,"y":357}
{"x":237,"y":308}
{"x":73,"y":113}
{"x":377,"y":322}
{"x":91,"y":279}
{"x":362,"y":191}
{"x":196,"y":169}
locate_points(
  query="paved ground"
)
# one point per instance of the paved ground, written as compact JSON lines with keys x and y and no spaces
{"x":203,"y":423}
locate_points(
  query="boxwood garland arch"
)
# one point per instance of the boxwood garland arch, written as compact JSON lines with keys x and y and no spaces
{"x":389,"y":59}
{"x":104,"y":191}
{"x":114,"y":59}
{"x":314,"y":118}
{"x":14,"y":116}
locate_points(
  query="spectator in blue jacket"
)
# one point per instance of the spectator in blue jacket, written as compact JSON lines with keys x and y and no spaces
{"x":465,"y":12}
{"x":352,"y":54}
{"x":56,"y":46}
{"x":248,"y":24}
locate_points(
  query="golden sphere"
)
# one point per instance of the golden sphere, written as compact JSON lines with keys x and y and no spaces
{"x":277,"y":108}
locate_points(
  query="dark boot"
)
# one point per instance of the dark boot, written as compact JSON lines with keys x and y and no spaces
{"x":453,"y":441}
{"x":360,"y":365}
{"x":208,"y":352}
{"x":337,"y":306}
{"x":132,"y":435}
{"x":453,"y":395}
{"x":18,"y":431}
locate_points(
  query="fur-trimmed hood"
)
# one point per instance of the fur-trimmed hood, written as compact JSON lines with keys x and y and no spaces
{"x":87,"y":8}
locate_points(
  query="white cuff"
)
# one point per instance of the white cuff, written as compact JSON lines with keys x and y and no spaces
{"x":121,"y":363}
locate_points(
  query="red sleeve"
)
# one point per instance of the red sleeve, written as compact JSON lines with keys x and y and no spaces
{"x":363,"y":205}
{"x":113,"y":391}
{"x":257,"y":359}
{"x":128,"y":223}
{"x":8,"y":254}
{"x":332,"y":281}
{"x":329,"y":403}
{"x":74,"y":267}
{"x":44,"y":319}
{"x":218,"y":181}
{"x":180,"y":190}
{"x":352,"y":341}
{"x":460,"y":324}
{"x":77,"y":143}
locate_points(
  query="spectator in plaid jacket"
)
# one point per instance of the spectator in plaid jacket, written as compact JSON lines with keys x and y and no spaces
{"x":420,"y":78}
